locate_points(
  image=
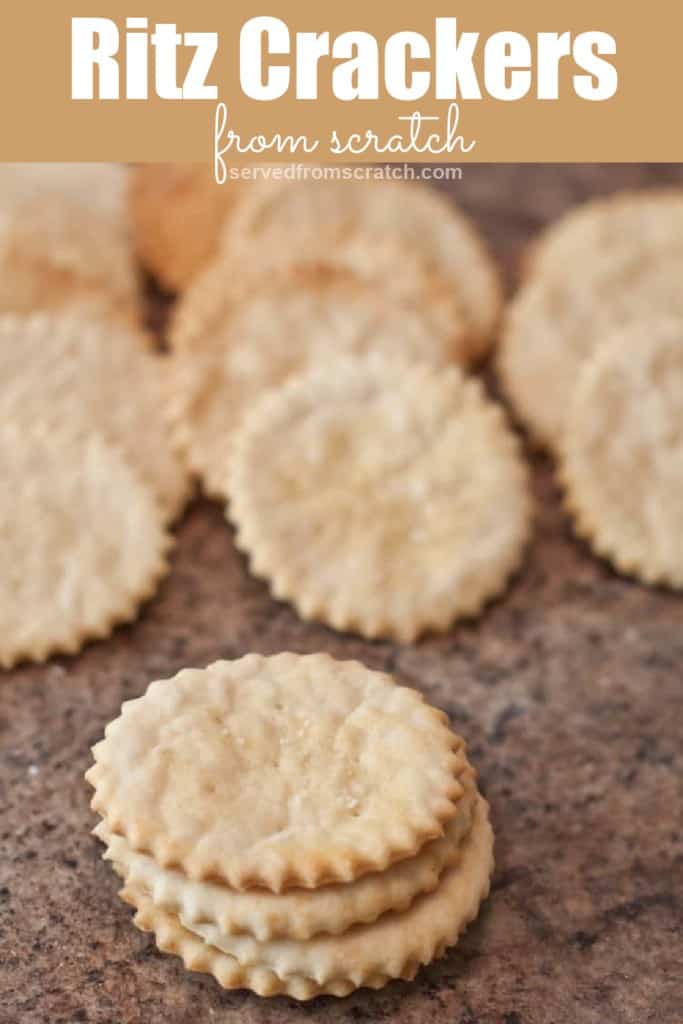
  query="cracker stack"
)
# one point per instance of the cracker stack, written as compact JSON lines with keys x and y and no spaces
{"x":292,"y":824}
{"x":316,"y":386}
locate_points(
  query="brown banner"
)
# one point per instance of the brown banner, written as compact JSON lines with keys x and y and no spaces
{"x":531,"y":81}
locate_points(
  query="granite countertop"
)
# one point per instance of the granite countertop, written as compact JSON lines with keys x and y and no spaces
{"x":568,"y":690}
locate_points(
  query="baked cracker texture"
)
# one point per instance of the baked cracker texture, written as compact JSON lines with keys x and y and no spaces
{"x":297,"y":913}
{"x":358,"y":772}
{"x":395,"y":946}
{"x":391,"y":268}
{"x":64,"y":242}
{"x":176,"y":213}
{"x":84,"y":541}
{"x":380,"y":496}
{"x":95,"y":375}
{"x":244,"y":347}
{"x":297,"y":216}
{"x":622,"y":457}
{"x":606,"y":265}
{"x":647,"y":222}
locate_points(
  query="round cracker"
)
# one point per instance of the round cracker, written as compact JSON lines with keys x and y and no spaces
{"x":381,"y":497}
{"x":300,"y":216}
{"x":622,"y":456}
{"x":97,"y":376}
{"x":359,"y":772}
{"x":83,"y":540}
{"x":555,"y":323}
{"x":389,"y":268}
{"x":395,"y":946}
{"x":635,"y":224}
{"x":176,"y":214}
{"x":229,"y":353}
{"x":62,"y":244}
{"x":299,"y":913}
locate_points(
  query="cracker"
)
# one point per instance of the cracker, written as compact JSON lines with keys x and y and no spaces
{"x":63,"y":241}
{"x":172,"y":937}
{"x":83,"y":541}
{"x":95,"y":375}
{"x":242,"y":349}
{"x":380,"y":497}
{"x":177,"y":213}
{"x":395,"y":946}
{"x":98,"y":187}
{"x":277,"y":772}
{"x":297,"y":914}
{"x":299,"y":216}
{"x":605,"y":263}
{"x":622,"y":456}
{"x":390,"y":268}
{"x":555,"y":323}
{"x":634,"y":224}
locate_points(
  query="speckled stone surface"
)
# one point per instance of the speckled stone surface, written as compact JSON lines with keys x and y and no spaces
{"x":569,"y":690}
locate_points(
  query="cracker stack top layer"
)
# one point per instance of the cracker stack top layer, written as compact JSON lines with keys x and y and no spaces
{"x":277,"y":772}
{"x":224,"y":791}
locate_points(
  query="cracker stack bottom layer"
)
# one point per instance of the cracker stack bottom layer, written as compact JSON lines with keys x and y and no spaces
{"x":292,"y":824}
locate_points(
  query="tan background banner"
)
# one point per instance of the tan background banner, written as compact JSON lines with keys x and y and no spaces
{"x":639,"y":122}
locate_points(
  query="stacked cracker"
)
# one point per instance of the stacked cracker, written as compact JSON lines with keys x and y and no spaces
{"x":592,"y":359}
{"x":90,"y":480}
{"x":293,"y":824}
{"x":318,"y":385}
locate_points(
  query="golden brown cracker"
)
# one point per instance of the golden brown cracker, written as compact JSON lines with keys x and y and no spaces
{"x":358,"y":772}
